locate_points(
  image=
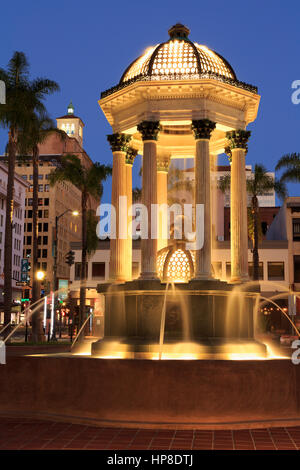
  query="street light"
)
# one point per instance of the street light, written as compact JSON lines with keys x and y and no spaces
{"x":55,"y":283}
{"x":40,"y":275}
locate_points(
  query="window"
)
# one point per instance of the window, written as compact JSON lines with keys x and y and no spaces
{"x":44,"y":253}
{"x":40,"y":176}
{"x":260,"y":270}
{"x":31,"y":188}
{"x":44,"y":266}
{"x":47,"y":187}
{"x":40,"y":214}
{"x":264,"y":227}
{"x":29,"y":226}
{"x":40,"y":201}
{"x":41,"y":188}
{"x":31,"y":177}
{"x":39,"y":227}
{"x":98,"y":270}
{"x":29,"y":214}
{"x":30,"y":200}
{"x":39,"y":240}
{"x":45,"y":240}
{"x":276,"y":271}
{"x":296,"y":230}
{"x":28,"y":252}
{"x":46,"y":201}
{"x":46,"y":214}
{"x":45,"y":226}
{"x":28,"y":240}
{"x":77,"y":270}
{"x":24,"y":177}
{"x":297,"y":268}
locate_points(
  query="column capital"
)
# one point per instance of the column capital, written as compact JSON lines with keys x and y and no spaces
{"x":202,"y":128}
{"x":238,"y":139}
{"x":130,"y":156}
{"x":149,"y":129}
{"x":163,"y":164}
{"x":119,"y":142}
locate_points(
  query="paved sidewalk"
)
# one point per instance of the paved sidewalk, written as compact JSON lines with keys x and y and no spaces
{"x":33,"y":434}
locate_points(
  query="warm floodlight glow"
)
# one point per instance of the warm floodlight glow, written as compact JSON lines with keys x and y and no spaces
{"x":40,"y":275}
{"x":178,"y":57}
{"x":75,"y":213}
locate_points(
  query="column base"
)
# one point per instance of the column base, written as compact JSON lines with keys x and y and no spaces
{"x":148,"y":276}
{"x":203,"y":277}
{"x":239,"y":279}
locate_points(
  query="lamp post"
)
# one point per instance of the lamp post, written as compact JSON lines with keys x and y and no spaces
{"x":55,"y":283}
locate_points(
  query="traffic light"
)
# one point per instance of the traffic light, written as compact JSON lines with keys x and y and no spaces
{"x":70,"y":257}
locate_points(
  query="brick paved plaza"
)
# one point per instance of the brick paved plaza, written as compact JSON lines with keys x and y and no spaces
{"x":25,"y":434}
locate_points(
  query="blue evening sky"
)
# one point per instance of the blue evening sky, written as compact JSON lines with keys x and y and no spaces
{"x":85,"y":47}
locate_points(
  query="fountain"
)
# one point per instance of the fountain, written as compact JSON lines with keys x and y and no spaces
{"x":179,"y":348}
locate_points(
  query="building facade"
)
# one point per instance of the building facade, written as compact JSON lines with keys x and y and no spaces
{"x":63,"y":198}
{"x":20,"y":187}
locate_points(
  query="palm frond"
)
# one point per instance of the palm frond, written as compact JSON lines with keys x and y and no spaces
{"x":289,"y":161}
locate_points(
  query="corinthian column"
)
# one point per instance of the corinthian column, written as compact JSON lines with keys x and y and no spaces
{"x":118,"y":270}
{"x":149,"y":131}
{"x":202,"y":131}
{"x":129,"y":159}
{"x":162,"y":200}
{"x":238,"y":206}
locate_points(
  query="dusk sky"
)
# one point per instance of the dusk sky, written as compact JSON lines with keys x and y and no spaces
{"x":86,"y":46}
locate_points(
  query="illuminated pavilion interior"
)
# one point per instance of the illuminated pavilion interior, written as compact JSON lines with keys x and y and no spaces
{"x":179,"y":99}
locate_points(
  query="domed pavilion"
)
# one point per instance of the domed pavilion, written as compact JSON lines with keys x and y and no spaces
{"x":179,"y":99}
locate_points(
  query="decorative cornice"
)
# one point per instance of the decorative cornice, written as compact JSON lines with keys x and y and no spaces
{"x":130,"y":156}
{"x":163,"y":164}
{"x":202,"y":128}
{"x":238,"y":139}
{"x":119,"y":142}
{"x":149,"y":129}
{"x":209,"y":75}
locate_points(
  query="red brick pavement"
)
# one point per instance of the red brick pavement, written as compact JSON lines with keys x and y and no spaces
{"x":21,"y":434}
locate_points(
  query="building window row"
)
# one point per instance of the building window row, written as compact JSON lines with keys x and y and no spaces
{"x":17,"y":260}
{"x":17,"y":242}
{"x":275,"y":270}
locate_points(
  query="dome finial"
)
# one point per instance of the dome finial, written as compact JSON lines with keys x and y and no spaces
{"x":179,"y":31}
{"x":71,"y":108}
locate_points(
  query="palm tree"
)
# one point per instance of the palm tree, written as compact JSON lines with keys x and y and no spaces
{"x":38,"y":128}
{"x":259,"y":184}
{"x":291,"y":162}
{"x":22,"y":96}
{"x":90,"y":182}
{"x":136,"y":195}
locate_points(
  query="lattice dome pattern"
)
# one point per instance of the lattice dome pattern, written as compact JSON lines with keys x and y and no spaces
{"x":178,"y":268}
{"x":178,"y":58}
{"x":175,"y":264}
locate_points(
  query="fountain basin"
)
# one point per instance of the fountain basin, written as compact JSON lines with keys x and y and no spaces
{"x":173,"y":393}
{"x":197,"y":320}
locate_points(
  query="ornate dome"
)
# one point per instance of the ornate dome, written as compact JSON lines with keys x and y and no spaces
{"x":178,"y":58}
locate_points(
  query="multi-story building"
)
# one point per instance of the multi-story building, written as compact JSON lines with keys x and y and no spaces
{"x":20,"y":187}
{"x":286,"y":226}
{"x":64,"y":197}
